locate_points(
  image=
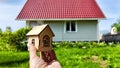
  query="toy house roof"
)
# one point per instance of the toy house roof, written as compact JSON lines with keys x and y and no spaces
{"x":60,"y":9}
{"x":38,"y":29}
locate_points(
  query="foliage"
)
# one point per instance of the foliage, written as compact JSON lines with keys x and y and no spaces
{"x":0,"y":31}
{"x":81,"y":44}
{"x":18,"y":38}
{"x":6,"y":36}
{"x":13,"y":39}
{"x":8,"y":29}
{"x":117,"y":25}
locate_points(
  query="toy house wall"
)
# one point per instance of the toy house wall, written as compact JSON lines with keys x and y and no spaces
{"x":36,"y":40}
{"x":45,"y":32}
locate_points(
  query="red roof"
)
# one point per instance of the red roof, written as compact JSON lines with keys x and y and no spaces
{"x":60,"y":9}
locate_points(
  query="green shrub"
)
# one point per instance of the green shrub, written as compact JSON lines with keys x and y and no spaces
{"x":112,"y":44}
{"x":83,"y":44}
{"x":102,"y":44}
{"x":15,"y":39}
{"x":19,"y":36}
{"x":78,"y":44}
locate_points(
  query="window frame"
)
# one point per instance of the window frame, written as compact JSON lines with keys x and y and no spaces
{"x":65,"y":26}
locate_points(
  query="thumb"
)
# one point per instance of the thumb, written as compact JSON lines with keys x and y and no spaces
{"x":41,"y":64}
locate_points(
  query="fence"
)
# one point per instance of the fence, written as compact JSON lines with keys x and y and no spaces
{"x":111,"y":38}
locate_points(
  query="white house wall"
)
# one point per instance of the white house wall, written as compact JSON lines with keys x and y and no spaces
{"x":86,"y":31}
{"x":58,"y":29}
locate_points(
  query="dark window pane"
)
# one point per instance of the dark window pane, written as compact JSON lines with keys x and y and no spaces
{"x":73,"y":26}
{"x":67,"y":26}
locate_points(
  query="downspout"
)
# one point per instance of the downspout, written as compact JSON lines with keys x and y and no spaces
{"x":98,"y":40}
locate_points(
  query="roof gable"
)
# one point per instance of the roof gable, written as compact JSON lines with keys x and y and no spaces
{"x":60,"y":9}
{"x":37,"y":30}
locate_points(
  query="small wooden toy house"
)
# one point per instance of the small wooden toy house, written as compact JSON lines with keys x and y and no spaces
{"x":41,"y":37}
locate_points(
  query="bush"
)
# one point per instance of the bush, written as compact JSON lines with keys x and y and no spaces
{"x":18,"y":38}
{"x":82,"y":44}
{"x":15,"y":39}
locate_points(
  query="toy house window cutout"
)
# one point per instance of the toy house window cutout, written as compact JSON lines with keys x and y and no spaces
{"x":46,"y":41}
{"x":33,"y":41}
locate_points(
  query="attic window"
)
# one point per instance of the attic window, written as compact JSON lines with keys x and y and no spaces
{"x":71,"y":26}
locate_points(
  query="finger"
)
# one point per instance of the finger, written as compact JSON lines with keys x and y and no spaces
{"x":41,"y":64}
{"x":28,"y":45}
{"x":53,"y":55}
{"x":43,"y":56}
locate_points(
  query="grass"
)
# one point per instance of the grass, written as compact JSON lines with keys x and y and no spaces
{"x":98,"y":57}
{"x":14,"y":59}
{"x":74,"y":58}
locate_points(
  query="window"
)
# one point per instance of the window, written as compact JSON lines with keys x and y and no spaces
{"x":71,"y":26}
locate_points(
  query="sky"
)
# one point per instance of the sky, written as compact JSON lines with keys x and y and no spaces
{"x":111,"y":10}
{"x":9,"y":9}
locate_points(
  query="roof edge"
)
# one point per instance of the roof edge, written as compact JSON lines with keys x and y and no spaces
{"x":64,"y":19}
{"x":100,"y":8}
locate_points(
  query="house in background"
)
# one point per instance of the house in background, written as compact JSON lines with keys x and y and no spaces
{"x":70,"y":20}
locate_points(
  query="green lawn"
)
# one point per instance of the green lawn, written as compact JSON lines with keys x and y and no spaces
{"x":10,"y":59}
{"x":108,"y":57}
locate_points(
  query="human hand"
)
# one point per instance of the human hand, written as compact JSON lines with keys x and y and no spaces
{"x":48,"y":56}
{"x":31,"y":47}
{"x":35,"y":61}
{"x":51,"y":59}
{"x":47,"y":59}
{"x":54,"y":64}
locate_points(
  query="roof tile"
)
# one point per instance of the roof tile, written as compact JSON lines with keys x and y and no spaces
{"x":60,"y":9}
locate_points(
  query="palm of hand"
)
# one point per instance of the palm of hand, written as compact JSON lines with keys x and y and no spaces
{"x":47,"y":59}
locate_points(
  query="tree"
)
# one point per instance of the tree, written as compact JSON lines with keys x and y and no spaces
{"x":18,"y":38}
{"x":8,"y":29}
{"x":117,"y":25}
{"x":0,"y":33}
{"x":7,"y":34}
{"x":0,"y":30}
